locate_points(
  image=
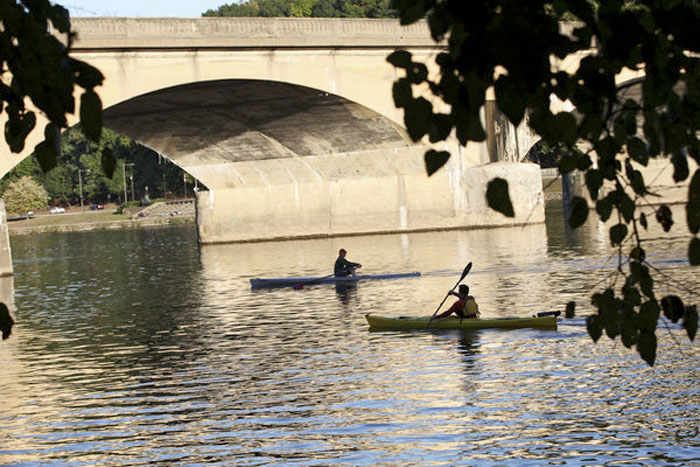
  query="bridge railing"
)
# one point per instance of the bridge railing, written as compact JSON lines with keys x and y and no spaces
{"x":124,"y":33}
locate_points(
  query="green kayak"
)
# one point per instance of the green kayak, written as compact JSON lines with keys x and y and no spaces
{"x":547,"y":320}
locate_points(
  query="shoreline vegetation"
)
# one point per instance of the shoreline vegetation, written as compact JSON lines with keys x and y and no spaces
{"x":77,"y":220}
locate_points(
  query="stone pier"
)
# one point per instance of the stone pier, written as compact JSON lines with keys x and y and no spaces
{"x":5,"y":252}
{"x":386,"y":192}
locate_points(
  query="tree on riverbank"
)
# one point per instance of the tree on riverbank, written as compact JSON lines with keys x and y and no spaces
{"x":308,"y":9}
{"x":509,"y":47}
{"x":78,"y":152}
{"x":24,"y":194}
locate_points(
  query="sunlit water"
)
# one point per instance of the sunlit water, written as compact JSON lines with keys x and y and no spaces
{"x":139,"y":348}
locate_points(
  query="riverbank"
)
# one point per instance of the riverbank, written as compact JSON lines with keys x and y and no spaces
{"x":76,"y":220}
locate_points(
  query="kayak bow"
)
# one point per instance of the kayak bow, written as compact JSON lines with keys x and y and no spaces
{"x":384,"y":323}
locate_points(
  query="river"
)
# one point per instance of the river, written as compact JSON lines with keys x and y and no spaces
{"x":139,"y":347}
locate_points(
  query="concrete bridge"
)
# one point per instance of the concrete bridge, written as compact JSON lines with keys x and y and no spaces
{"x":291,"y":126}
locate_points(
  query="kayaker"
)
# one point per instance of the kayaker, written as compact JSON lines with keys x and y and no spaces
{"x":465,"y":307}
{"x":343,"y":267}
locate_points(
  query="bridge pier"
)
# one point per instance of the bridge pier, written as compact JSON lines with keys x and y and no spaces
{"x":5,"y":252}
{"x":360,"y":194}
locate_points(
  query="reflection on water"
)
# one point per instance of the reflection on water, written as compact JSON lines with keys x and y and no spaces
{"x":141,"y":348}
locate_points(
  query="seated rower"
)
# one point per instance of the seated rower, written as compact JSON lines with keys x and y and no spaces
{"x":465,"y":307}
{"x":343,"y":267}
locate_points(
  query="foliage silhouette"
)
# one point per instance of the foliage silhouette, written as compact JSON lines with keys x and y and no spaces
{"x":511,"y":47}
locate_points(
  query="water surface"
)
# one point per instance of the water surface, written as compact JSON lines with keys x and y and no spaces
{"x":141,"y":348}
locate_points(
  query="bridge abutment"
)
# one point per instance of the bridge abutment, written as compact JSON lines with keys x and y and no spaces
{"x":358,"y":194}
{"x":6,"y":269}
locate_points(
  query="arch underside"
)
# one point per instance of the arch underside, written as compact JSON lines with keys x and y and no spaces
{"x":207,"y":128}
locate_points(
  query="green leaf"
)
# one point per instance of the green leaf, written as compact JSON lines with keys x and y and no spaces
{"x":45,"y":155}
{"x":109,"y":162}
{"x":680,"y":167}
{"x":638,"y":150}
{"x":402,"y":92}
{"x":60,"y":18}
{"x":672,"y":307}
{"x":646,"y":346}
{"x":417,"y":73}
{"x":604,"y":208}
{"x":418,"y":118}
{"x":694,"y":252}
{"x":17,"y":128}
{"x":664,"y":217}
{"x":86,"y":76}
{"x":565,"y":125}
{"x":643,"y":220}
{"x":649,"y":315}
{"x":414,"y":11}
{"x":400,"y":59}
{"x":47,"y":152}
{"x":626,"y":206}
{"x":468,"y":126}
{"x":692,"y":207}
{"x":578,"y":212}
{"x":498,"y":198}
{"x":594,"y":327}
{"x":690,"y":321}
{"x":570,"y":311}
{"x":638,"y":254}
{"x":618,"y":233}
{"x":637,"y":182}
{"x":639,"y":273}
{"x":594,"y":180}
{"x":628,"y":328}
{"x":440,"y":128}
{"x":583,"y":163}
{"x":608,"y":307}
{"x":567,"y":163}
{"x":6,"y":321}
{"x":91,"y":115}
{"x":434,"y":160}
{"x":511,"y":98}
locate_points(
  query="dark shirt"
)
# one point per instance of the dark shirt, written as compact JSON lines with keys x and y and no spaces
{"x":343,"y":266}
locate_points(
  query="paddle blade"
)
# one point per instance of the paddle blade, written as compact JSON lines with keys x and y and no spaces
{"x":466,"y":271}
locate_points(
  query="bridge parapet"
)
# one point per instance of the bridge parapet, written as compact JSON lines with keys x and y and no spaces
{"x":169,"y":33}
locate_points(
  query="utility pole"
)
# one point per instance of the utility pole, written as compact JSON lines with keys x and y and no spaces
{"x":80,"y":184}
{"x":124,"y":179}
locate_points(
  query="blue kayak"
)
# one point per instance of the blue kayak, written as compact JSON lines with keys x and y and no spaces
{"x":259,"y":283}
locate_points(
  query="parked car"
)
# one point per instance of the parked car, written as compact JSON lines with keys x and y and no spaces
{"x":96,"y":207}
{"x":56,"y":210}
{"x":30,"y":214}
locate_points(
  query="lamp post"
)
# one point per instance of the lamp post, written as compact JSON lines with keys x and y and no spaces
{"x":80,"y":184}
{"x":124,"y":179}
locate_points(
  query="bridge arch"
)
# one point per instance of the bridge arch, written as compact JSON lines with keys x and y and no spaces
{"x":208,"y":127}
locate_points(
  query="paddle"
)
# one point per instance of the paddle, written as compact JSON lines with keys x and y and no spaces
{"x":301,"y":285}
{"x":464,"y":274}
